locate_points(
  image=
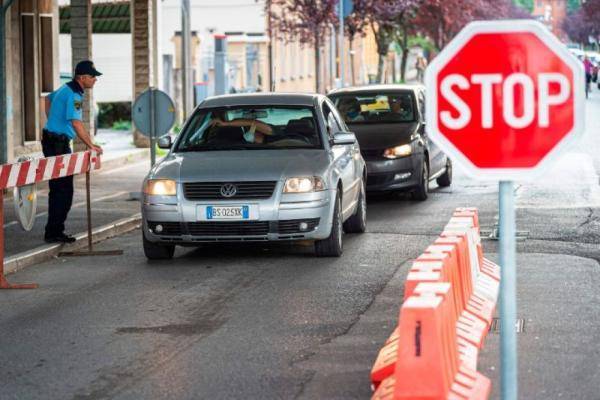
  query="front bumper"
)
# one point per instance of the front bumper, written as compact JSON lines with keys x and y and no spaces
{"x":390,"y":175}
{"x":280,"y":219}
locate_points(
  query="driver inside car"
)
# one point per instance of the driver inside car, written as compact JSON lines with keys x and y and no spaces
{"x":256,"y":132}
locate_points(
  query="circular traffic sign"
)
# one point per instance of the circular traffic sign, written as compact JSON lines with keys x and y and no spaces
{"x":505,"y":98}
{"x":164,"y":112}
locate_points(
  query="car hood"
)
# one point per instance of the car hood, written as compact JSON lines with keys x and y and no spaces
{"x":244,"y":165}
{"x":382,"y":136}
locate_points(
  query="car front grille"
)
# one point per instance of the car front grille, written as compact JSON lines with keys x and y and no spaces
{"x":237,"y":228}
{"x":376,"y":154}
{"x":243,"y":190}
{"x":234,"y":228}
{"x":379,"y":179}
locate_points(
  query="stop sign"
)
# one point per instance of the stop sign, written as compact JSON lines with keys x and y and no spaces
{"x":505,"y":98}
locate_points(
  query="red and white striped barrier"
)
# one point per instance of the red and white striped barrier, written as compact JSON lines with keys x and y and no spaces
{"x":38,"y":170}
{"x":43,"y":169}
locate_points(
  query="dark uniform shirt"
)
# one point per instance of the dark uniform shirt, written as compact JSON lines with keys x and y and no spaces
{"x":65,"y":106}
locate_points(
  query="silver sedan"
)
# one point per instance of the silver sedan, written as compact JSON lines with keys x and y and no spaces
{"x":260,"y":167}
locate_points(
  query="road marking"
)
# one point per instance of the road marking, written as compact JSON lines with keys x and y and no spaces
{"x":79,"y":204}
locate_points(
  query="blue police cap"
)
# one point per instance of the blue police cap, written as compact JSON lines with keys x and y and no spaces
{"x":86,"y":67}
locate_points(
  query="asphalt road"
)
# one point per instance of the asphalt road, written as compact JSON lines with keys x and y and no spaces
{"x":270,"y":322}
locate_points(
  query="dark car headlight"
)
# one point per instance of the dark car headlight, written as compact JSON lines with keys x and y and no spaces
{"x":398,"y":151}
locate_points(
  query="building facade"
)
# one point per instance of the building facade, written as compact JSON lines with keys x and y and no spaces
{"x":31,"y":71}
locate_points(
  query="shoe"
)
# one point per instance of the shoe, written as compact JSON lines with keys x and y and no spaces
{"x":60,"y":238}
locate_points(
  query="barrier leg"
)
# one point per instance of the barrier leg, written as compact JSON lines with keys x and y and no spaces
{"x":90,"y":251}
{"x":4,"y":284}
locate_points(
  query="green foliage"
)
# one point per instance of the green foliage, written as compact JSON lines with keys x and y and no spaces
{"x":422,"y":42}
{"x":121,"y":125}
{"x":573,"y":5}
{"x":109,"y":113}
{"x":160,"y":152}
{"x":527,"y":5}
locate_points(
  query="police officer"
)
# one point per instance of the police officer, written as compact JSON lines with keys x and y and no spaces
{"x":63,"y":109}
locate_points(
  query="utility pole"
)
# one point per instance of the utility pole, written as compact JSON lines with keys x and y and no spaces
{"x":186,"y":83}
{"x":270,"y":48}
{"x":341,"y":45}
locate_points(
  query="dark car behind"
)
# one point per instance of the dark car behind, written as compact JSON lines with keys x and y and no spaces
{"x":389,"y":123}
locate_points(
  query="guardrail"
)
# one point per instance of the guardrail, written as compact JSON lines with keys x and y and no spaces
{"x":38,"y":170}
{"x":450,"y":296}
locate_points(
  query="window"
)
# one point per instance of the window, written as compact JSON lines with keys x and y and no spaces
{"x":422,"y":105}
{"x":377,"y":107}
{"x":46,"y":57}
{"x":29,"y":90}
{"x":251,"y":128}
{"x":332,"y":124}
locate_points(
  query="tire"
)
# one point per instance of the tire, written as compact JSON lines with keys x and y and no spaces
{"x":421,"y":192}
{"x":357,"y":223}
{"x":445,"y":179}
{"x":155,"y":251}
{"x":332,"y":246}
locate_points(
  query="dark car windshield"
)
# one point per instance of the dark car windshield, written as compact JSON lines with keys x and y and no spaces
{"x":359,"y":108}
{"x":250,"y":128}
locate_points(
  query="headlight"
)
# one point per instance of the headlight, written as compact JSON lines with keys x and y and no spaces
{"x":303,"y":185}
{"x":161,"y":187}
{"x":398,"y":151}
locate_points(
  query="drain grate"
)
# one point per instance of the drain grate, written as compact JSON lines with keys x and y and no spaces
{"x":519,"y":325}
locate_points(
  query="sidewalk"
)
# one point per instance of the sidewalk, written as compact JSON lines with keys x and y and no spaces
{"x":123,"y":169}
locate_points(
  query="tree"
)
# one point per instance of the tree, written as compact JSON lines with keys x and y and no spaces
{"x":584,"y":23}
{"x":385,"y":17}
{"x":526,"y":5}
{"x":307,"y":21}
{"x":441,"y":20}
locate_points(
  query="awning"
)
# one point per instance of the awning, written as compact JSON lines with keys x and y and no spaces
{"x":107,"y":17}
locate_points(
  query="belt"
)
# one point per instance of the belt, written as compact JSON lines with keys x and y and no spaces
{"x":59,"y":137}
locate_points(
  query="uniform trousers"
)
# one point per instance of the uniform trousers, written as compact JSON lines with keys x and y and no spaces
{"x":60,"y":196}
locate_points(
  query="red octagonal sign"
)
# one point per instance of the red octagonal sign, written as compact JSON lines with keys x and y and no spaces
{"x":505,"y":98}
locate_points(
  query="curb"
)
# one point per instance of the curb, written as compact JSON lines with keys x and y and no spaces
{"x":46,"y":252}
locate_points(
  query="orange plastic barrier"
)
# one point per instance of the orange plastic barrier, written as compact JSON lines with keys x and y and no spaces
{"x":449,"y":301}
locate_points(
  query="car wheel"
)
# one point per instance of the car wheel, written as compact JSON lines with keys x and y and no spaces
{"x":332,"y":246}
{"x":155,"y":251}
{"x":357,"y":223}
{"x":446,"y":178}
{"x":421,"y":192}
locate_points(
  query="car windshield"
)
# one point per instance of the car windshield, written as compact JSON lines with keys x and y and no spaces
{"x":378,"y":108}
{"x":251,"y":128}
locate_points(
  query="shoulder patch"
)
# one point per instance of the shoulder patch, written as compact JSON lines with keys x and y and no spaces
{"x":77,"y":104}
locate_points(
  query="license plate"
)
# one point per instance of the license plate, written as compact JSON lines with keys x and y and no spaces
{"x":227,"y":212}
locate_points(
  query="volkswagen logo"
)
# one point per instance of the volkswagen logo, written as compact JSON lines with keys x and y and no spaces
{"x":228,"y":190}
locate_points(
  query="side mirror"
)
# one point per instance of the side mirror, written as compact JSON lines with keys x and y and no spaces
{"x":165,"y":142}
{"x":343,"y":138}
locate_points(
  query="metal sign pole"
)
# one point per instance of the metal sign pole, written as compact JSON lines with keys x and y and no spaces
{"x":90,"y":251}
{"x":152,"y":128}
{"x":88,"y":204}
{"x":508,"y":296}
